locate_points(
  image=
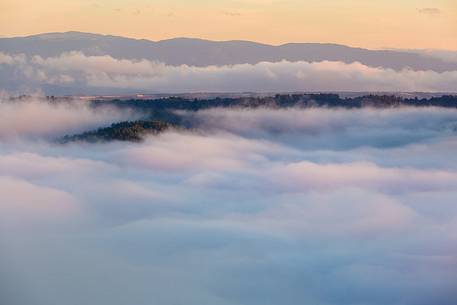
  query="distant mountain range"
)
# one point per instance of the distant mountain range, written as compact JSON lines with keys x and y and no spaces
{"x":198,"y":52}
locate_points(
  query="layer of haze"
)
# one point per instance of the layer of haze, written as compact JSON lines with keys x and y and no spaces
{"x":372,"y":24}
{"x":76,"y":73}
{"x":290,"y":206}
{"x":38,"y":119}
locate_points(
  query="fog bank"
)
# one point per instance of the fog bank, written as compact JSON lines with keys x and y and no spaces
{"x":297,"y":206}
{"x":76,"y":73}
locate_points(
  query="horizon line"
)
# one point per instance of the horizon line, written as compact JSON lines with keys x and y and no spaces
{"x":219,"y":41}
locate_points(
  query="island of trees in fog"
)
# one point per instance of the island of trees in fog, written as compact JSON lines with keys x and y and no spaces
{"x":162,"y":113}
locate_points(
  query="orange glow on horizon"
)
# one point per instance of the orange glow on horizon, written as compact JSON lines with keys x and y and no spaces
{"x":377,"y":24}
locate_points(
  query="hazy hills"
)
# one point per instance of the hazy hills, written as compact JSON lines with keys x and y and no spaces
{"x":198,"y":52}
{"x":159,"y":115}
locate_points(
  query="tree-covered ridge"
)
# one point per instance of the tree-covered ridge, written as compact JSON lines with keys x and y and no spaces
{"x":282,"y":101}
{"x":123,"y":131}
{"x":162,"y":113}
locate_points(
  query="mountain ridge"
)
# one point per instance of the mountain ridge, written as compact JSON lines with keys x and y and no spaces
{"x":89,"y":34}
{"x":202,"y":52}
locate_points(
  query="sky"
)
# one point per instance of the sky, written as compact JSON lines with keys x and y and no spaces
{"x":407,"y":24}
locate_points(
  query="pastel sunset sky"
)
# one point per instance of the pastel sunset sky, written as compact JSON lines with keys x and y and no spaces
{"x":371,"y":24}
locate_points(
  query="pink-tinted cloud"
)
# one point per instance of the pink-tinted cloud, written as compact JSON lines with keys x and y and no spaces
{"x":83,"y":73}
{"x":37,"y":117}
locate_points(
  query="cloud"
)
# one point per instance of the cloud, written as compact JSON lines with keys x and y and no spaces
{"x":306,"y":176}
{"x":211,"y":153}
{"x":447,"y":56}
{"x":41,"y":118}
{"x":231,"y":14}
{"x":258,"y":207}
{"x":26,"y":206}
{"x":75,"y":71}
{"x":331,"y":128}
{"x":430,"y":11}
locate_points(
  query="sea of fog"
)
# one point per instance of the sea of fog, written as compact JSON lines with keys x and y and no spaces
{"x":280,"y":207}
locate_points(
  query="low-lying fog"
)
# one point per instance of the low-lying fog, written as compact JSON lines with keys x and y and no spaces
{"x":76,"y":73}
{"x":263,"y":206}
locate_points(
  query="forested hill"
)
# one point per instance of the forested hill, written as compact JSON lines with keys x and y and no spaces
{"x":281,"y":101}
{"x":162,"y":114}
{"x":123,"y":131}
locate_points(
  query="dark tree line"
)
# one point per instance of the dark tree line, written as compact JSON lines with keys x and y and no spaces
{"x":282,"y":101}
{"x":162,"y":114}
{"x":123,"y":131}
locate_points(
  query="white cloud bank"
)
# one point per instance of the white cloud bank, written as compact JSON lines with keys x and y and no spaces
{"x":313,"y":211}
{"x":448,"y":56}
{"x":37,"y":117}
{"x":76,"y":72}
